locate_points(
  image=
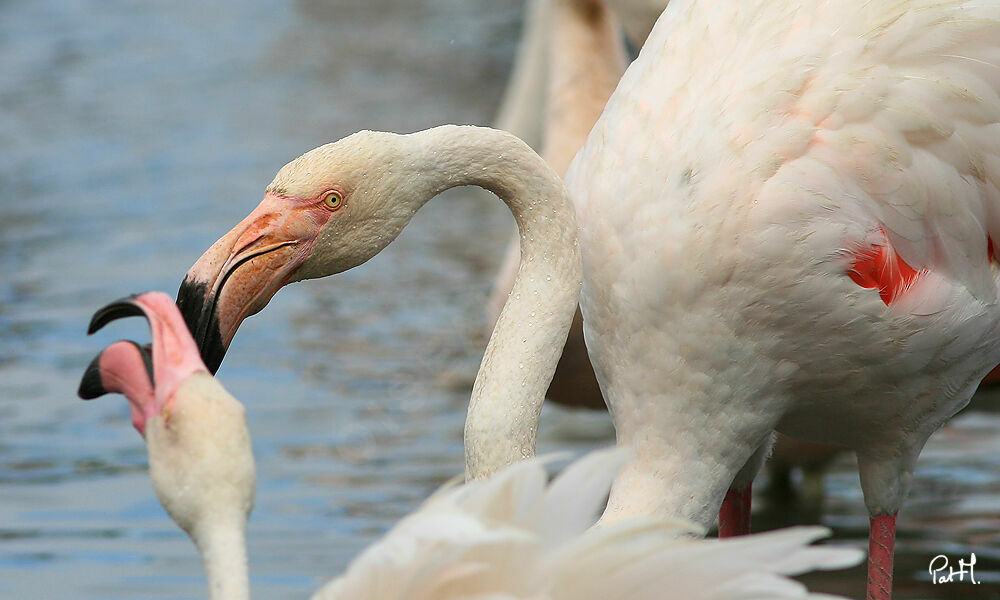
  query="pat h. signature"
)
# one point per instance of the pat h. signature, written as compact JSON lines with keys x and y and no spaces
{"x":942,"y":572}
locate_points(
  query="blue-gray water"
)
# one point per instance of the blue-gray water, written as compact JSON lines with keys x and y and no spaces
{"x":134,"y":134}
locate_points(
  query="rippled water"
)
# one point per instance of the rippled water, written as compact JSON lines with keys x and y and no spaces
{"x":133,"y":135}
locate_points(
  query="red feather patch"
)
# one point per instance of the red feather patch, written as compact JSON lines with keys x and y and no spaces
{"x":879,"y":267}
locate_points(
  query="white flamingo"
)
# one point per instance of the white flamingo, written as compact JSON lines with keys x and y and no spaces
{"x":575,"y":383}
{"x":787,"y":212}
{"x":511,"y":536}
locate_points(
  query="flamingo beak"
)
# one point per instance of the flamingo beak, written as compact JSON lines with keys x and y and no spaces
{"x":121,"y":357}
{"x":92,"y":385}
{"x":240,"y":273}
{"x":147,"y":375}
{"x":123,"y":367}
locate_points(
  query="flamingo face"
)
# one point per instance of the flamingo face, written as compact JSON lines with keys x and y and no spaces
{"x":244,"y":269}
{"x":325,"y":212}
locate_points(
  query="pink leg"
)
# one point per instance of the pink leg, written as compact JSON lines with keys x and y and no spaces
{"x":734,"y":516}
{"x":881,"y":542}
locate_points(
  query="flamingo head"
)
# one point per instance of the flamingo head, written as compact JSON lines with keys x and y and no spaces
{"x":327,"y":211}
{"x":200,"y":458}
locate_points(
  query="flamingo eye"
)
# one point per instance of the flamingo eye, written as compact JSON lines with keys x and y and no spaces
{"x":333,"y":200}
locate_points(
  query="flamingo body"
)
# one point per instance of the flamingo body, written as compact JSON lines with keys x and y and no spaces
{"x":786,"y":215}
{"x":747,"y":163}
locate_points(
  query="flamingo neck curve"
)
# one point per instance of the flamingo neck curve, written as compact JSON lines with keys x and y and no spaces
{"x":530,"y":333}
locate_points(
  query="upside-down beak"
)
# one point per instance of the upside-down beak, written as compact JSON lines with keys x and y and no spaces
{"x":241,"y":272}
{"x":123,"y":367}
{"x":148,"y":375}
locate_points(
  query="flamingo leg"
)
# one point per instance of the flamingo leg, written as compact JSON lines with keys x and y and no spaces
{"x":734,"y":516}
{"x":881,"y":542}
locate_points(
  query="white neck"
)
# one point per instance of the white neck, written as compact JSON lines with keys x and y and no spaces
{"x":531,"y":331}
{"x":223,"y":552}
{"x":202,"y":468}
{"x":586,"y":60}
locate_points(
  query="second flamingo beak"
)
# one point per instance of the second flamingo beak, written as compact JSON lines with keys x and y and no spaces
{"x":147,"y":375}
{"x":241,"y":272}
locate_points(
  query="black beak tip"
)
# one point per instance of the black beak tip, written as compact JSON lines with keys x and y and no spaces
{"x":124,"y":307}
{"x":214,"y":353}
{"x":91,"y":385}
{"x":192,"y":300}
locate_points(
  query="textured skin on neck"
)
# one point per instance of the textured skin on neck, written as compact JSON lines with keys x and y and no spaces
{"x":531,"y":330}
{"x":587,"y":59}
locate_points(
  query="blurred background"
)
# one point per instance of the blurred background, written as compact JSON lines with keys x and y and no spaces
{"x":133,"y":135}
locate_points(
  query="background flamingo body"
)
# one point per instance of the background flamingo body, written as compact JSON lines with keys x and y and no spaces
{"x":745,"y":162}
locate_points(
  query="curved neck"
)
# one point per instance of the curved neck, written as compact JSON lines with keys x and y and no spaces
{"x":531,"y":330}
{"x":224,"y":555}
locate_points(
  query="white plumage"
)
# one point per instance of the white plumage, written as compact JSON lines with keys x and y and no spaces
{"x":728,"y":184}
{"x":751,"y":161}
{"x":513,"y":536}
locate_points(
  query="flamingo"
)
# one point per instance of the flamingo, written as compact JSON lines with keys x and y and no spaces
{"x":200,"y":458}
{"x":577,"y":384}
{"x":512,"y":536}
{"x":574,"y":383}
{"x":787,"y":213}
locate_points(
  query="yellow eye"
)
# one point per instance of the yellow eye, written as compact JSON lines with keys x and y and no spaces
{"x":333,"y":200}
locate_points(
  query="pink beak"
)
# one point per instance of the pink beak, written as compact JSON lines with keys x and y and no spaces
{"x":148,"y":375}
{"x":241,"y":272}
